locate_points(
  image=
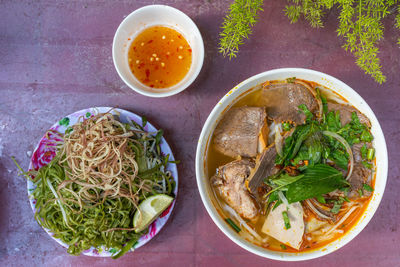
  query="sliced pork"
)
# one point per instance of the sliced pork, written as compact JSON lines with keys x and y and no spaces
{"x":265,"y":166}
{"x":241,"y":132}
{"x":360,"y":173}
{"x":230,"y":184}
{"x":282,"y":101}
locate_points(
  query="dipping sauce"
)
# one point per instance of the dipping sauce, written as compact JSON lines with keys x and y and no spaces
{"x":160,"y":57}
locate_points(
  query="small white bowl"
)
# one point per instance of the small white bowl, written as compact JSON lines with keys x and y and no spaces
{"x":143,"y":18}
{"x":248,"y":86}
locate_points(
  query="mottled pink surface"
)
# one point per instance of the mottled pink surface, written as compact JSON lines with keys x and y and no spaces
{"x":55,"y":58}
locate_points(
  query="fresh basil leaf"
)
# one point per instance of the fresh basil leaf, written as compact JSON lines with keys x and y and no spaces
{"x":317,"y":180}
{"x":283,"y":181}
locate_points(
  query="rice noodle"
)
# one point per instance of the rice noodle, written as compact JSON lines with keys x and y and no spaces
{"x":342,"y":220}
{"x":316,"y":211}
{"x":244,"y":224}
{"x":348,"y":150}
{"x":101,"y":158}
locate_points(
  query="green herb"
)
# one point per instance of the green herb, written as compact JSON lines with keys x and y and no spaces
{"x":87,"y":115}
{"x":283,"y":181}
{"x":306,"y":111}
{"x":321,"y":199}
{"x":64,"y":122}
{"x":370,"y":154}
{"x":144,"y":121}
{"x":360,"y":192}
{"x":237,"y":25}
{"x":360,"y":24}
{"x":319,"y":179}
{"x":283,"y":246}
{"x":291,"y":80}
{"x":233,"y":225}
{"x":126,"y":248}
{"x":286,"y":219}
{"x":367,"y":164}
{"x":366,"y":136}
{"x":336,"y":207}
{"x":286,"y":126}
{"x":344,"y":199}
{"x":364,"y":151}
{"x":368,"y":188}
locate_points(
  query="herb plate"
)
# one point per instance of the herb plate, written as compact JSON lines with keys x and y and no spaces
{"x":45,"y":151}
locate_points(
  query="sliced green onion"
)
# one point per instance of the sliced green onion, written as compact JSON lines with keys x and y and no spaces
{"x":370,"y":154}
{"x":367,"y":187}
{"x":286,"y":126}
{"x":286,"y":219}
{"x":360,"y":192}
{"x":233,"y":225}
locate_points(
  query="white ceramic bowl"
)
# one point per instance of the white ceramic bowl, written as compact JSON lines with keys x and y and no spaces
{"x":146,"y":17}
{"x":248,"y":86}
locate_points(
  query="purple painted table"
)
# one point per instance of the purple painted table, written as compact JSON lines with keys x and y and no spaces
{"x":55,"y":58}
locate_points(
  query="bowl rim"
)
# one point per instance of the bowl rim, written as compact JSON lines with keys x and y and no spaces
{"x":197,"y":67}
{"x":203,"y":144}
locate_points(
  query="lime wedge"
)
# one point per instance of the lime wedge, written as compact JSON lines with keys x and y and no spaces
{"x":150,"y":209}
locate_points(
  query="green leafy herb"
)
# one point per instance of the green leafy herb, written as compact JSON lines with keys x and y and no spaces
{"x":283,"y":246}
{"x":286,"y":126}
{"x":368,"y":188}
{"x":286,"y":219}
{"x":237,"y":25}
{"x":64,"y":122}
{"x":321,"y":199}
{"x":291,"y":80}
{"x":367,"y":164}
{"x":364,"y":151}
{"x":233,"y":225}
{"x":283,"y":181}
{"x":336,"y":207}
{"x":144,"y":121}
{"x":360,"y":24}
{"x":306,"y":111}
{"x":319,"y":179}
{"x":360,"y":192}
{"x":366,"y":136}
